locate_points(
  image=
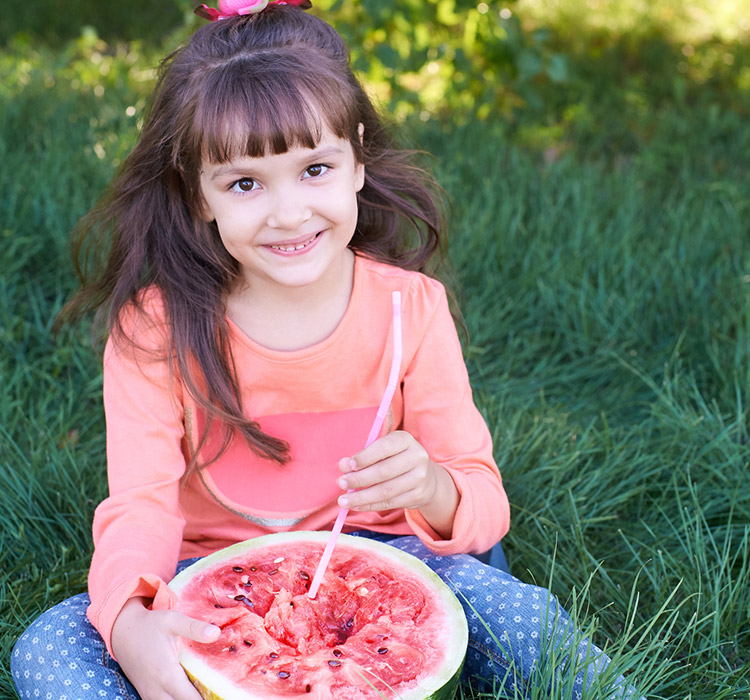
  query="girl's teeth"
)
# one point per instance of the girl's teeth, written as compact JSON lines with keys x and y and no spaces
{"x":299,"y":246}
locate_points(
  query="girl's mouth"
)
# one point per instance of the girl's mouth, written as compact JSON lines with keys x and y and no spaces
{"x":294,"y":247}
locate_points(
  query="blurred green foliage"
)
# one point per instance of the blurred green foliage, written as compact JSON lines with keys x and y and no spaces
{"x":439,"y":56}
{"x":53,"y":22}
{"x":557,"y":74}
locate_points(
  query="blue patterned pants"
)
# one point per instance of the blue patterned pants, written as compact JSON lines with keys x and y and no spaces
{"x":518,"y":633}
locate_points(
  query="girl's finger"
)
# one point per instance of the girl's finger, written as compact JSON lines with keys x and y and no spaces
{"x":189,"y":627}
{"x":393,"y":493}
{"x":387,"y":446}
{"x":171,"y":684}
{"x":182,"y":689}
{"x":381,"y":471}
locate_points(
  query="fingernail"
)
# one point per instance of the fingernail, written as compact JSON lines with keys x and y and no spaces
{"x":343,"y":484}
{"x":343,"y":501}
{"x":211,"y":632}
{"x":352,"y":463}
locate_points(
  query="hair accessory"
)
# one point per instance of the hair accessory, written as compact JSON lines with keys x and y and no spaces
{"x":233,"y":8}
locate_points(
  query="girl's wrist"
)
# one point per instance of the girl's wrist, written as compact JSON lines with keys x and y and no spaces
{"x":440,"y":512}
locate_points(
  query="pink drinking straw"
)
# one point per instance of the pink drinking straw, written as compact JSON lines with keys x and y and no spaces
{"x":385,"y":402}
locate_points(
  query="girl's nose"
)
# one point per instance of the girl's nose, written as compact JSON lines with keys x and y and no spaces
{"x":289,"y":210}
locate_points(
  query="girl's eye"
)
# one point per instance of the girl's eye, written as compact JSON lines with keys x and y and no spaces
{"x":316,"y":170}
{"x":246,"y":184}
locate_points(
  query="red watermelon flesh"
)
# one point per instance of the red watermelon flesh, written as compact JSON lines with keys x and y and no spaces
{"x":372,"y":632}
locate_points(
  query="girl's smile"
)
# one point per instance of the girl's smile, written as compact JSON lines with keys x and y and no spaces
{"x":287,"y":218}
{"x":294,"y":247}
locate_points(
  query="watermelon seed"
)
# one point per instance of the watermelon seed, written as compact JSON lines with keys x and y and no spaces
{"x":249,"y":603}
{"x":338,"y":652}
{"x":383,"y":650}
{"x":237,"y":569}
{"x":278,"y":560}
{"x":348,"y":624}
{"x":239,"y":597}
{"x":216,"y":605}
{"x":253,"y":568}
{"x":308,"y":688}
{"x":275,"y":571}
{"x":334,"y":664}
{"x":284,"y":674}
{"x":246,"y":643}
{"x":274,"y":655}
{"x":304,"y":575}
{"x":233,"y":648}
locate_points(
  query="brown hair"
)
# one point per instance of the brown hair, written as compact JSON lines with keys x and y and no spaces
{"x":240,"y":86}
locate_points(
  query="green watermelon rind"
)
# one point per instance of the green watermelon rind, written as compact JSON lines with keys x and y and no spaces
{"x":441,"y":684}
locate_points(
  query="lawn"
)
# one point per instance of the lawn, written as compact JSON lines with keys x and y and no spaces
{"x":601,"y":255}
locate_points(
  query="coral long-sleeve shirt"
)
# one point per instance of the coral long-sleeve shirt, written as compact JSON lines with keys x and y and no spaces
{"x":322,"y":400}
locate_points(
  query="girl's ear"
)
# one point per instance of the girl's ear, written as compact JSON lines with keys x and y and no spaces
{"x":203,"y":209}
{"x":359,"y":172}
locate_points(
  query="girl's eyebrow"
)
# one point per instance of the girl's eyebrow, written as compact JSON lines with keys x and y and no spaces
{"x":322,"y":153}
{"x":309,"y":156}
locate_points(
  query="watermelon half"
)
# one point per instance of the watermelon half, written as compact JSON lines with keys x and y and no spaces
{"x":383,"y":625}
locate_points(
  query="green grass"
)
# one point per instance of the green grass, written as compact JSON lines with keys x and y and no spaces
{"x":608,"y":308}
{"x":607,"y":296}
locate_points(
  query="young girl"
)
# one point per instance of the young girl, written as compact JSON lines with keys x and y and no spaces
{"x":258,"y":232}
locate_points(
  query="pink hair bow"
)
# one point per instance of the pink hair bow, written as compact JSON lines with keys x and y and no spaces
{"x":232,"y":8}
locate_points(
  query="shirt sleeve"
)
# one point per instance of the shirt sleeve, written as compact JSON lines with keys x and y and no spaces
{"x":439,"y":411}
{"x":138,"y":528}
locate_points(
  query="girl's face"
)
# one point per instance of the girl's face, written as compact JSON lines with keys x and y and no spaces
{"x":287,"y":219}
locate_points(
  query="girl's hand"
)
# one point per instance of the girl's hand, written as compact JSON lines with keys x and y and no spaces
{"x":396,"y":472}
{"x":145,"y":643}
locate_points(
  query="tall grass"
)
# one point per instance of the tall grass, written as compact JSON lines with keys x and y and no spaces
{"x":608,"y":308}
{"x":608,"y":304}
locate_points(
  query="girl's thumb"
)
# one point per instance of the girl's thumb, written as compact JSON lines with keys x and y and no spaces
{"x":197,"y":630}
{"x":208,"y":632}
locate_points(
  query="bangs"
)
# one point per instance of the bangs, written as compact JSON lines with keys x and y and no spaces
{"x":266,"y":103}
